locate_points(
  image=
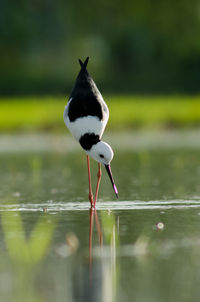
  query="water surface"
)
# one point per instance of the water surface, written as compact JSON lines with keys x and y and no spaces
{"x":54,"y":248}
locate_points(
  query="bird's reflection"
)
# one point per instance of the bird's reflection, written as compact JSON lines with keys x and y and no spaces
{"x":94,"y":214}
{"x":96,"y":277}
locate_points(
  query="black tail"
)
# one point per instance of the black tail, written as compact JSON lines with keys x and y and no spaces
{"x":84,"y":65}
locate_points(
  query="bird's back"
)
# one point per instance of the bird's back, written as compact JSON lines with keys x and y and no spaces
{"x":85,"y":105}
{"x":86,"y":111}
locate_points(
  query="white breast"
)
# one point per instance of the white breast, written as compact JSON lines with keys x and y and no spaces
{"x":88,"y":124}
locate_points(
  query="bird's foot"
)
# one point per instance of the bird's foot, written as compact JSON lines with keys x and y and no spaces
{"x":91,"y":200}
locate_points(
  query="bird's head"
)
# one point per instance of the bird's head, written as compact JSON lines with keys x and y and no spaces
{"x":103,"y":153}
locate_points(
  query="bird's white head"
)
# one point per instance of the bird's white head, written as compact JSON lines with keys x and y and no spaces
{"x":101,"y":152}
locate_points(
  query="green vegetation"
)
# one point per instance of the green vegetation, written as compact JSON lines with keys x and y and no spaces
{"x":46,"y":114}
{"x":138,"y":46}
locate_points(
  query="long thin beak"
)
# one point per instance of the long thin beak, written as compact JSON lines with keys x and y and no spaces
{"x":108,"y":169}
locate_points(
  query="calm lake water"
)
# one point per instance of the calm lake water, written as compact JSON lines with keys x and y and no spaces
{"x":143,"y":247}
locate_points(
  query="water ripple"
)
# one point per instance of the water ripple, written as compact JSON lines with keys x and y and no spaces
{"x":109,"y":205}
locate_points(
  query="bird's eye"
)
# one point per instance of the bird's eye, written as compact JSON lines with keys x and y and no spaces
{"x":101,"y":155}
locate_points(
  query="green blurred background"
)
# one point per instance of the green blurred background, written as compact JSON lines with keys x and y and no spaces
{"x":136,"y":48}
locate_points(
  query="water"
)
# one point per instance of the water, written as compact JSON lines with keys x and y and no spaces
{"x":143,"y":247}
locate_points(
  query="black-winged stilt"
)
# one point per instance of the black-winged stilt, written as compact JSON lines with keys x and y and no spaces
{"x":86,"y":116}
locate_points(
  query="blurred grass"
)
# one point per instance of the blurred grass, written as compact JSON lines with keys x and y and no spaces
{"x":27,"y":114}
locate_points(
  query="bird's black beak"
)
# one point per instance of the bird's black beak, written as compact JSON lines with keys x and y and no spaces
{"x":108,"y":169}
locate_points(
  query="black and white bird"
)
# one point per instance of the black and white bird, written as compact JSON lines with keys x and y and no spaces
{"x":86,"y":116}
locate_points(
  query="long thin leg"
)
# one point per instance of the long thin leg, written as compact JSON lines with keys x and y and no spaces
{"x":90,"y":186}
{"x":99,"y":173}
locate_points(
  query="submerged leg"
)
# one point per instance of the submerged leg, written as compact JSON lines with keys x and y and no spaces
{"x":90,"y":186}
{"x":90,"y":236}
{"x":98,"y":182}
{"x":98,"y":228}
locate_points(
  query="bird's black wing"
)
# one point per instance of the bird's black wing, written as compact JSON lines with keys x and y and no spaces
{"x":82,"y":106}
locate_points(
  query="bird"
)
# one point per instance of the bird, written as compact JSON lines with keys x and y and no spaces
{"x":86,"y":115}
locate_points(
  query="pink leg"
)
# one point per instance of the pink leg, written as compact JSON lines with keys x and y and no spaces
{"x":90,"y":186}
{"x":98,"y":182}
